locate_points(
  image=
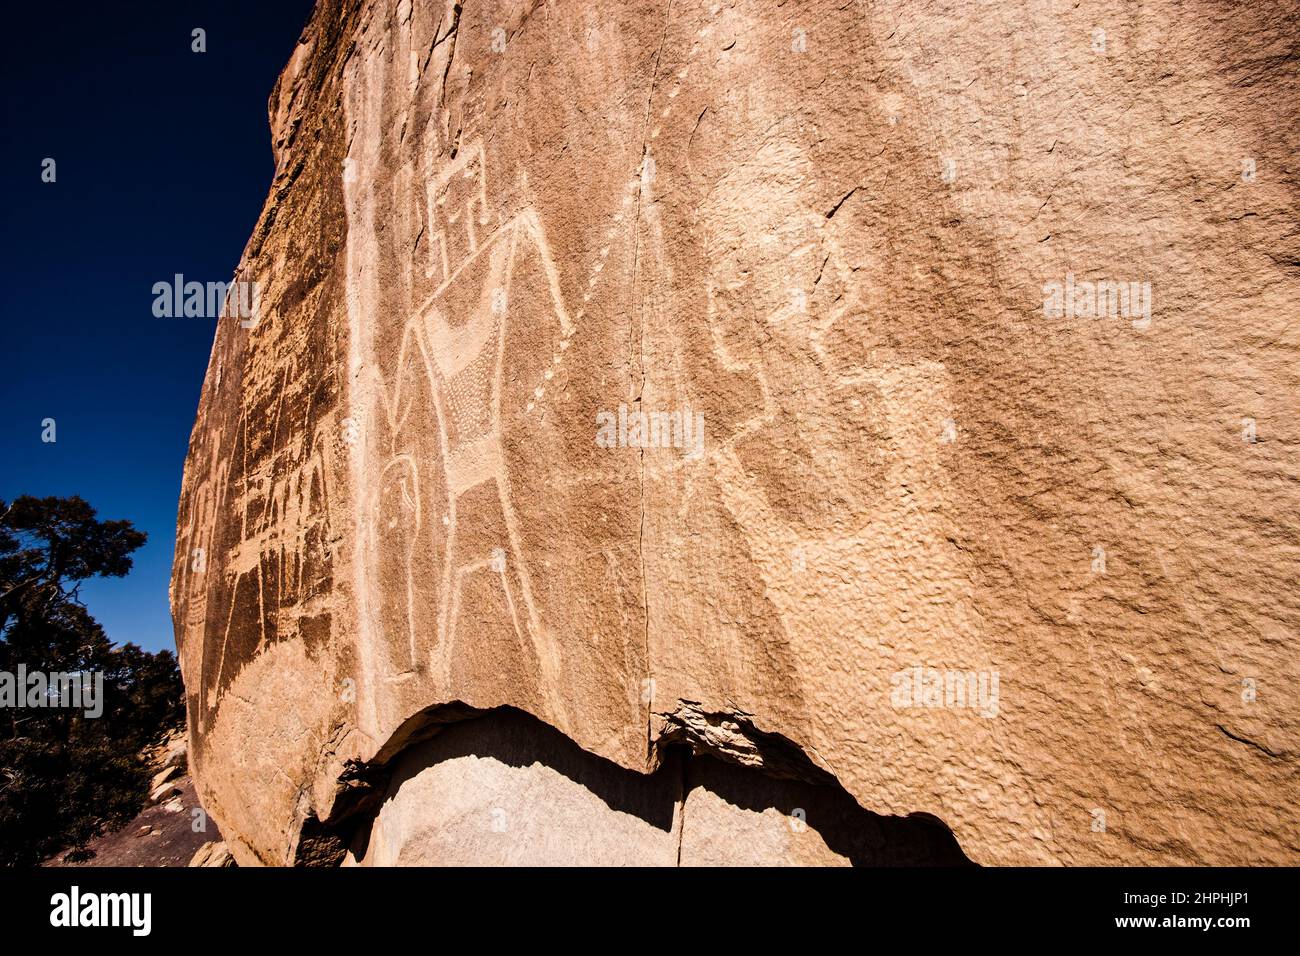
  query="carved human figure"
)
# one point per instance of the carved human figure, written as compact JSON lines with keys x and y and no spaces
{"x":457,"y":336}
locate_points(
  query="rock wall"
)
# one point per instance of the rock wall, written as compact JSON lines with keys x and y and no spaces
{"x":891,"y":398}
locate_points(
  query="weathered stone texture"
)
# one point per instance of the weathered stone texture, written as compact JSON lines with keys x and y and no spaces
{"x":830,"y":229}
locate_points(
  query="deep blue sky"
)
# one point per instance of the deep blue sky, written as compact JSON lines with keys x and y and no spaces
{"x":163,"y":160}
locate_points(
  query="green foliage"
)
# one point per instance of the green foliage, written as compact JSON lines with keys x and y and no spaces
{"x":65,"y":777}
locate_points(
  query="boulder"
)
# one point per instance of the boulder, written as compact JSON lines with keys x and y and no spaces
{"x":176,"y":755}
{"x":164,"y":791}
{"x":213,"y":854}
{"x":890,"y":399}
{"x":169,"y":772}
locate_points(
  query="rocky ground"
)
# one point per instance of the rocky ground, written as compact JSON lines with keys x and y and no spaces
{"x":172,"y":830}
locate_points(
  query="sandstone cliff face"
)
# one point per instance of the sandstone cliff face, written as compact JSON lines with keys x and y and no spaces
{"x":923,"y":516}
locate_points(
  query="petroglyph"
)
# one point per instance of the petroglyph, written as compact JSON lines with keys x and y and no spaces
{"x":451,"y":360}
{"x":492,"y":223}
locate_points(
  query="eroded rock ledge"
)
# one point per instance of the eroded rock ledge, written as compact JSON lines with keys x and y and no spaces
{"x":504,"y":789}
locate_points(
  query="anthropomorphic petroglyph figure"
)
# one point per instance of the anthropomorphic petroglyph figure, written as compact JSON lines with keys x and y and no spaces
{"x":836,"y":474}
{"x":464,"y":321}
{"x":452,"y":496}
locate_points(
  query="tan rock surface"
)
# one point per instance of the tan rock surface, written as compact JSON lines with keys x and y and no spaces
{"x":164,"y":775}
{"x":831,"y":230}
{"x":215,"y":854}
